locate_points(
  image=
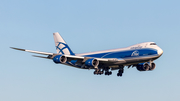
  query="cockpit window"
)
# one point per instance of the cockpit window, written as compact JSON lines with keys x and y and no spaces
{"x":153,"y":44}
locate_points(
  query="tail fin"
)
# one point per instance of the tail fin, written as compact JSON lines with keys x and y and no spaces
{"x":61,"y":46}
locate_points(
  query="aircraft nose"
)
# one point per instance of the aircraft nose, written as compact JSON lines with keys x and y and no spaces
{"x":160,"y":51}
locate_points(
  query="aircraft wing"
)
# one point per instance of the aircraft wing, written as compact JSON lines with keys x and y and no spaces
{"x":37,"y":52}
{"x":80,"y":59}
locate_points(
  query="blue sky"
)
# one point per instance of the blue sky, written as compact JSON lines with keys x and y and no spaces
{"x":87,"y":26}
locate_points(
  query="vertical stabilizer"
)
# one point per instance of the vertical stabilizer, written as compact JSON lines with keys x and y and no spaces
{"x":61,"y":46}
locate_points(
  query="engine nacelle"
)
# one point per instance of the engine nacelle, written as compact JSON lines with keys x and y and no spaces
{"x":92,"y":62}
{"x":153,"y":66}
{"x":146,"y":66}
{"x":143,"y":67}
{"x":60,"y":59}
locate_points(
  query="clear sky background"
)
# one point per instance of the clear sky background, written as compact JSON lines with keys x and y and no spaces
{"x":87,"y":26}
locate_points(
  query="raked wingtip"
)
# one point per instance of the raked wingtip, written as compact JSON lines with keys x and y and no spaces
{"x":17,"y":49}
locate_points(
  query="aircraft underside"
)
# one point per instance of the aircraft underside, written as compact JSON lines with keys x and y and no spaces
{"x":107,"y":68}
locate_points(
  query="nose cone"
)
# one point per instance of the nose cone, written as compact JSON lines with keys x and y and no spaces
{"x":160,"y":51}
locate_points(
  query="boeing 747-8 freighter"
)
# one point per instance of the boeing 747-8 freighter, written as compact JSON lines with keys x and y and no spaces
{"x":140,"y":56}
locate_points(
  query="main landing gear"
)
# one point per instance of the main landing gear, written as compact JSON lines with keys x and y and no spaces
{"x":98,"y":72}
{"x":121,"y":71}
{"x":107,"y":72}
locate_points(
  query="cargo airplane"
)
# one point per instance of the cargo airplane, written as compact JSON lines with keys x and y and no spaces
{"x":140,"y":56}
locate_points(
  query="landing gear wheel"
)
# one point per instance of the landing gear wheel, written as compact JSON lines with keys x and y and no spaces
{"x":107,"y":72}
{"x":94,"y":72}
{"x":110,"y":73}
{"x":119,"y":74}
{"x":98,"y":72}
{"x":121,"y":71}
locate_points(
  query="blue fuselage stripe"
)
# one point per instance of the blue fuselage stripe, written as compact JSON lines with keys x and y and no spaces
{"x":125,"y":54}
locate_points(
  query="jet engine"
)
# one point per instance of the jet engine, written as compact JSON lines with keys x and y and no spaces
{"x":92,"y":62}
{"x":146,"y":66}
{"x":153,"y":66}
{"x":60,"y":59}
{"x":143,"y":67}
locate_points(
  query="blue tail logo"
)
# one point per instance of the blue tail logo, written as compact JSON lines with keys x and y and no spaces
{"x":63,"y":48}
